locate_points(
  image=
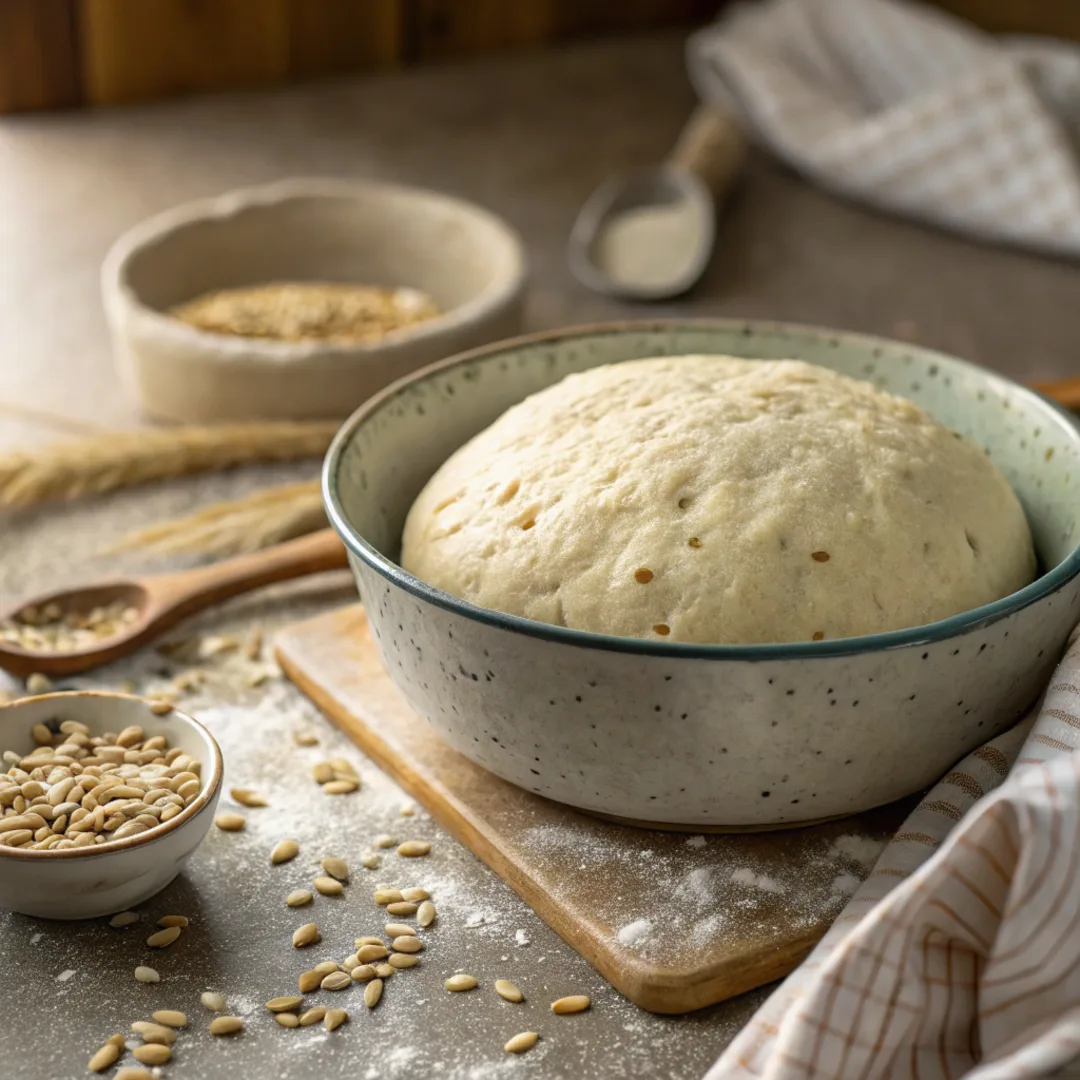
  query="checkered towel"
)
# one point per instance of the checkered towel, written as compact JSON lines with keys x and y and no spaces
{"x":960,"y":954}
{"x":908,"y":109}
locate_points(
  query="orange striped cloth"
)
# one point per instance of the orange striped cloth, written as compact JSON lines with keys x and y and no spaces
{"x":960,"y":954}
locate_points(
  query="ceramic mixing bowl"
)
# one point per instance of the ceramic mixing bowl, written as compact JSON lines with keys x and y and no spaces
{"x":81,"y":883}
{"x":706,"y":735}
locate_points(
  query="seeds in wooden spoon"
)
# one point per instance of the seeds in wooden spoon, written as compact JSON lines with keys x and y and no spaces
{"x":408,"y":945}
{"x":146,"y":975}
{"x":287,"y":1019}
{"x":336,"y":868}
{"x":399,"y":929}
{"x":362,"y":972}
{"x":305,"y":935}
{"x":170,"y":1018}
{"x":368,"y":953}
{"x":458,"y":983}
{"x":299,"y":898}
{"x":403,"y":907}
{"x":213,"y":1002}
{"x":312,"y":1016}
{"x":286,"y":850}
{"x":415,"y":894}
{"x":336,"y":980}
{"x":230,"y":822}
{"x":247,"y":797}
{"x":411,"y":849}
{"x":152,"y":1054}
{"x":526,"y":1040}
{"x":575,"y":1003}
{"x":335,"y":1018}
{"x":425,"y":913}
{"x":163,"y":938}
{"x":373,"y":992}
{"x":328,"y":886}
{"x":403,"y":960}
{"x":108,"y":1055}
{"x":341,"y":787}
{"x":173,"y":920}
{"x":284,"y":1004}
{"x":154,"y":1033}
{"x":226,"y":1025}
{"x":508,"y":991}
{"x":124,"y":918}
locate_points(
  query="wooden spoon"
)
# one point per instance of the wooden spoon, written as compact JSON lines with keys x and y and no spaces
{"x":165,"y":599}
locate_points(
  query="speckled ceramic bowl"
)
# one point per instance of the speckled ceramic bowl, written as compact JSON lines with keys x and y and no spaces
{"x":700,"y":735}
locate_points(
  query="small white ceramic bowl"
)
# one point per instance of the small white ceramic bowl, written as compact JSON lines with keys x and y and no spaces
{"x":469,"y":261}
{"x":83,"y":883}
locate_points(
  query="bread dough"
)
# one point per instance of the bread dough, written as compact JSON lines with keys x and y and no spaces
{"x":714,"y":499}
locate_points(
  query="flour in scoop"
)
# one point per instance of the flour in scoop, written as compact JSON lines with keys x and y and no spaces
{"x":650,"y":247}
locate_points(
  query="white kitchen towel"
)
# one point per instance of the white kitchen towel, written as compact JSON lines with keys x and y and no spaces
{"x":959,"y":956}
{"x":909,"y":109}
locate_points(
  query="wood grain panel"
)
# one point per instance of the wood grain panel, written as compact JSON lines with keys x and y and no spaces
{"x":334,"y":36}
{"x":1057,"y":18}
{"x":39,"y":64}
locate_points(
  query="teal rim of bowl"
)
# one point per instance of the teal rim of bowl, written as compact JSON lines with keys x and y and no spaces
{"x":927,"y":634}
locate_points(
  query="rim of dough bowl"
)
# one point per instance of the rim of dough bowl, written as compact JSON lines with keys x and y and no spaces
{"x":928,"y":633}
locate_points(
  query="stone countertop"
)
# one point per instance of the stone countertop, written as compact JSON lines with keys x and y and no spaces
{"x":529,"y":136}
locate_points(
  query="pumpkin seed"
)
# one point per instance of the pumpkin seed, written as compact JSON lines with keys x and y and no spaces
{"x":415,"y":894}
{"x":328,"y":886}
{"x":425,"y":913}
{"x":108,"y":1055}
{"x":146,"y":975}
{"x":403,"y":907}
{"x":458,"y":983}
{"x":312,"y":1016}
{"x":411,"y":849}
{"x":384,"y":841}
{"x":299,"y":898}
{"x":384,"y":971}
{"x":370,"y":862}
{"x":362,"y":972}
{"x":229,"y":822}
{"x":367,"y":953}
{"x":305,"y":935}
{"x":341,"y":787}
{"x":284,"y":1004}
{"x":286,"y":850}
{"x":508,"y":991}
{"x":388,"y":896}
{"x":336,"y":980}
{"x":373,"y":992}
{"x":246,"y":797}
{"x":226,"y":1025}
{"x":170,"y":1018}
{"x":408,"y":945}
{"x":154,"y":1033}
{"x":287,"y":1019}
{"x":305,"y":738}
{"x":152,"y":1054}
{"x":336,"y":868}
{"x":134,"y":1072}
{"x":335,"y":1018}
{"x":526,"y":1040}
{"x":213,"y":1002}
{"x":575,"y":1003}
{"x":399,"y":929}
{"x":325,"y":967}
{"x":163,"y":938}
{"x":368,"y":941}
{"x":308,"y":980}
{"x":403,"y":960}
{"x":173,"y":920}
{"x":323,"y":772}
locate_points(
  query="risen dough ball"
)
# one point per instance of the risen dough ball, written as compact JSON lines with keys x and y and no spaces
{"x":711,"y":499}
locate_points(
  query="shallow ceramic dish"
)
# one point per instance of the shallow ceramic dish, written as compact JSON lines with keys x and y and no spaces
{"x":82,"y":883}
{"x":469,"y":261}
{"x":699,"y":735}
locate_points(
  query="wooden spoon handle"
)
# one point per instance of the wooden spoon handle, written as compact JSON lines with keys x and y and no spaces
{"x":1065,"y":392}
{"x":172,"y":596}
{"x":713,"y":146}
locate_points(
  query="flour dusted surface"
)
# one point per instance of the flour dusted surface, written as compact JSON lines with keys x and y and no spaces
{"x":713,"y":499}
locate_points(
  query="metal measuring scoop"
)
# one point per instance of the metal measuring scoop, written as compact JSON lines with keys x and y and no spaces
{"x":671,"y":204}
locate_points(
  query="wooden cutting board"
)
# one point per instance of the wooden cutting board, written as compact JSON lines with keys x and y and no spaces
{"x":672,"y":920}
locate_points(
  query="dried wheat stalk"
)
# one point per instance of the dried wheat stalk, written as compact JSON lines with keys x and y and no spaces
{"x":101,"y":463}
{"x":236,"y":526}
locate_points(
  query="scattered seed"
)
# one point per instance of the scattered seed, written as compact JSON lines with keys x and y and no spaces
{"x":340,"y":787}
{"x":230,"y":822}
{"x":425,"y":913}
{"x":284,"y":1004}
{"x":154,"y":1033}
{"x":384,"y":971}
{"x":388,"y":896}
{"x":36,"y":683}
{"x":312,"y":1016}
{"x":108,"y":1055}
{"x":323,"y":772}
{"x":403,"y":960}
{"x":287,"y":1019}
{"x":408,"y":945}
{"x":226,"y":1025}
{"x":574,"y":1004}
{"x":152,"y":1054}
{"x":407,"y":810}
{"x":362,"y":972}
{"x":526,"y":1040}
{"x":508,"y":991}
{"x":247,"y":797}
{"x":146,"y":975}
{"x":336,"y":868}
{"x":368,"y":953}
{"x":415,"y":894}
{"x":305,"y":935}
{"x":170,"y":1018}
{"x":118,"y":1041}
{"x":368,"y":941}
{"x":305,"y":738}
{"x":325,"y":967}
{"x":133,"y":1072}
{"x":398,"y":929}
{"x":299,"y":898}
{"x":335,"y":1018}
{"x":373,"y":992}
{"x":403,"y":907}
{"x":286,"y":850}
{"x":308,"y":980}
{"x":370,"y":862}
{"x":124,"y":918}
{"x":213,"y":1002}
{"x":163,"y":938}
{"x":336,"y":980}
{"x":173,"y":920}
{"x":411,"y":849}
{"x":383,"y":841}
{"x":458,"y":983}
{"x":328,"y":886}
